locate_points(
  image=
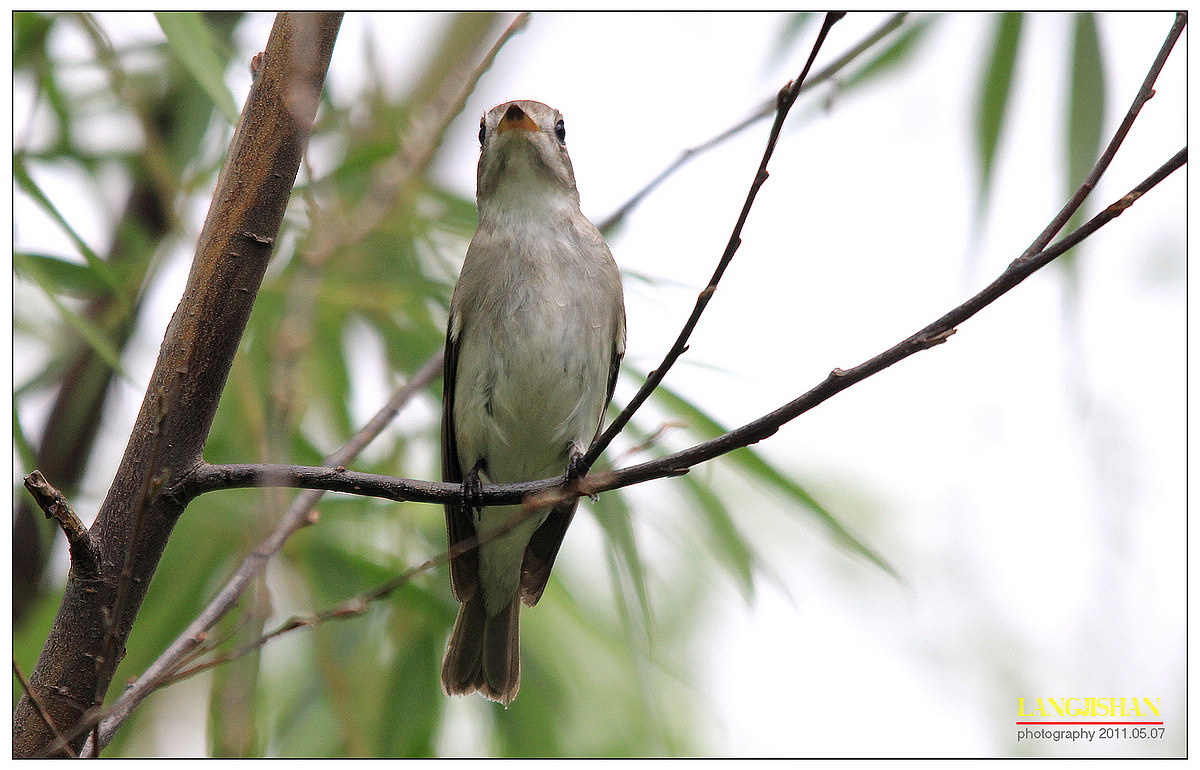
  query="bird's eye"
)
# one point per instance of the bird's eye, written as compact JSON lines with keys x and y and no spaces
{"x":482,"y":131}
{"x":560,"y":130}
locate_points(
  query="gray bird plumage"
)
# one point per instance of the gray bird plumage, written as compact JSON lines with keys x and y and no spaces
{"x":535,"y":338}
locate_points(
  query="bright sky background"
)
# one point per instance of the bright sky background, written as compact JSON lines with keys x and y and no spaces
{"x":1027,"y":478}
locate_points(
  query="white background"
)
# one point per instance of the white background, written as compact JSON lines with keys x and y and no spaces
{"x":1027,"y":478}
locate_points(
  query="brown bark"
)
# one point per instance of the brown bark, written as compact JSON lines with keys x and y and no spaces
{"x":88,"y":637}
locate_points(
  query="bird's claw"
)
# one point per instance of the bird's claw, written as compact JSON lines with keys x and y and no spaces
{"x":472,"y":488}
{"x":577,"y":468}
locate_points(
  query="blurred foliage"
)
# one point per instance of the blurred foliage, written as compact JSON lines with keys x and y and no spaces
{"x":341,"y":319}
{"x":1083,"y":133}
{"x":1085,"y":105}
{"x":1085,"y":97}
{"x":992,"y":101}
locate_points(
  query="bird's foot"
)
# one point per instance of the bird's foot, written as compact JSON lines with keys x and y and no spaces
{"x":577,"y":468}
{"x":472,"y":487}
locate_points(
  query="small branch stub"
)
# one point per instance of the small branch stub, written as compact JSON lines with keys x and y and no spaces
{"x":84,"y":553}
{"x":936,"y":338}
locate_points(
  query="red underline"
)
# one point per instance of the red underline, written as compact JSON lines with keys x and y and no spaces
{"x":1089,"y":723}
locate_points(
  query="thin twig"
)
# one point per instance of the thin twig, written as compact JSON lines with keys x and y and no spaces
{"x":787,"y":97}
{"x":209,"y":478}
{"x":357,"y":605}
{"x":393,"y":179}
{"x":762,"y":111}
{"x":416,"y":157}
{"x":840,"y":379}
{"x":61,"y":742}
{"x":1089,"y":183}
{"x":539,"y":494}
{"x":649,"y":441}
{"x":296,"y":517}
{"x":231,"y":257}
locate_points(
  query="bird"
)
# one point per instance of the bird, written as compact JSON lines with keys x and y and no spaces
{"x":534,"y":341}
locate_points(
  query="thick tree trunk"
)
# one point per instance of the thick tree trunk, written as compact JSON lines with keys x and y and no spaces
{"x":133,"y":525}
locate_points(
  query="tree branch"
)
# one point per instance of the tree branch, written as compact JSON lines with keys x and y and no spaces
{"x":134,"y":523}
{"x":537,"y":495}
{"x":85,"y":555}
{"x":1089,"y":183}
{"x":392,"y":180}
{"x":298,"y":515}
{"x":787,"y":97}
{"x":766,"y":108}
{"x":202,"y":477}
{"x":208,"y":478}
{"x":37,"y":704}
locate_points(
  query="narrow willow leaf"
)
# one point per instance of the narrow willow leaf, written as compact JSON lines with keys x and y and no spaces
{"x":93,"y":336}
{"x":61,"y":276}
{"x":1084,"y":135}
{"x":615,"y":520}
{"x":31,"y":188}
{"x":752,"y":463}
{"x":412,"y":703}
{"x":729,"y":547}
{"x":31,"y":56}
{"x":789,"y":32}
{"x":26,"y":454}
{"x":194,"y":46}
{"x":1086,"y":102}
{"x":893,"y":55}
{"x":992,"y":100}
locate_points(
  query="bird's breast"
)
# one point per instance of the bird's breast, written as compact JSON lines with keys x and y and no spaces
{"x":534,"y":348}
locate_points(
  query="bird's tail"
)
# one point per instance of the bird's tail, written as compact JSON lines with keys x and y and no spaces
{"x":484,"y":652}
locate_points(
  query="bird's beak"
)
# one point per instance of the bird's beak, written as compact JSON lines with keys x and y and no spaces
{"x":515,"y":119}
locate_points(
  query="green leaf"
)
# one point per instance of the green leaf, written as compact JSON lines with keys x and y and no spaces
{"x":1084,"y":135}
{"x":29,"y":33}
{"x":29,"y":637}
{"x":729,"y":547}
{"x":626,"y":566}
{"x":93,"y":336}
{"x":891,"y":56}
{"x":994,"y":91}
{"x":25,"y":181}
{"x":753,"y":464}
{"x":61,"y":276}
{"x":412,"y":706}
{"x":194,"y":46}
{"x":26,"y":454}
{"x":789,"y":32}
{"x":1086,"y":102}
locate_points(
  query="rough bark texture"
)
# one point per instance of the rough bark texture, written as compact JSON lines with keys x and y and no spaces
{"x":88,"y":637}
{"x":68,"y":436}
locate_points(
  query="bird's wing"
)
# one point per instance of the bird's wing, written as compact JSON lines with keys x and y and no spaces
{"x":544,"y":545}
{"x":542,"y":548}
{"x":464,"y":568}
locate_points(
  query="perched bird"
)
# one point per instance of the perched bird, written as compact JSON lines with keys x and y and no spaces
{"x":535,"y":339}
